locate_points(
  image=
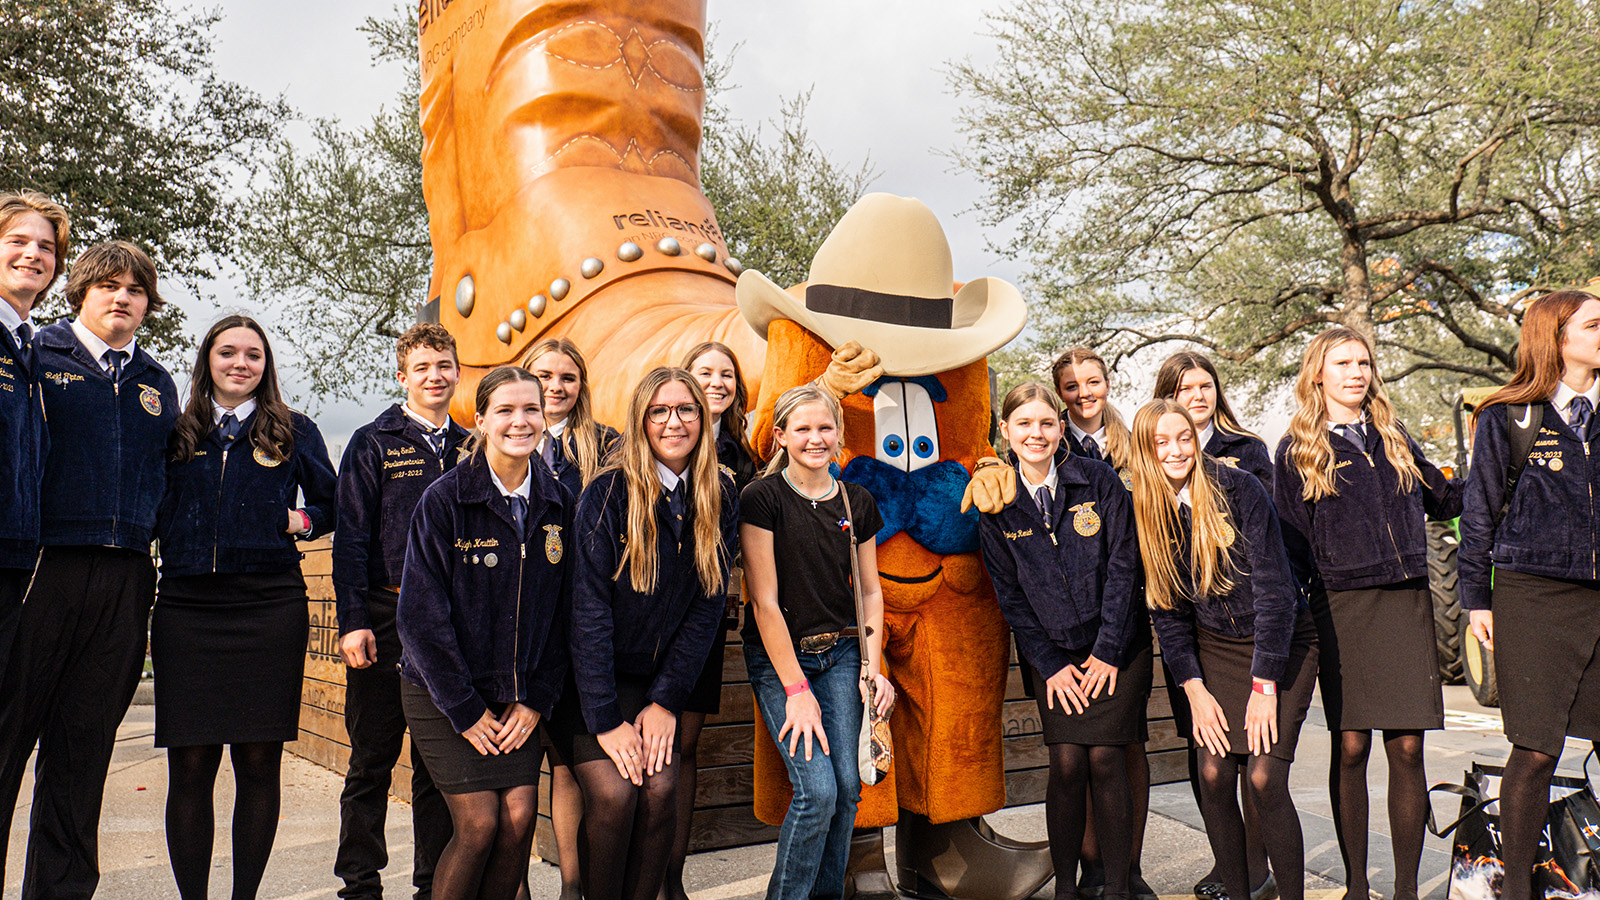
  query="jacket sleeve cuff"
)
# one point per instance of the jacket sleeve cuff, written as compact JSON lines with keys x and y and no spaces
{"x":542,"y":699}
{"x":352,"y":611}
{"x":1055,"y":659}
{"x":1268,"y":665}
{"x":1475,"y":596}
{"x":601,"y":719}
{"x":1106,"y":650}
{"x":465,"y":714}
{"x":1184,"y":668}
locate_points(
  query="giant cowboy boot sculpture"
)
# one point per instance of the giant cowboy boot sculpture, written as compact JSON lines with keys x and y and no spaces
{"x":561,"y":171}
{"x":916,"y":425}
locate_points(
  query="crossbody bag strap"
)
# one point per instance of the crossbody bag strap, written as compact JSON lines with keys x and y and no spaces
{"x":1523,"y":421}
{"x":855,"y":576}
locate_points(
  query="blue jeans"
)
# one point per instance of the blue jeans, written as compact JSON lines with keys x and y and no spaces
{"x":814,"y":843}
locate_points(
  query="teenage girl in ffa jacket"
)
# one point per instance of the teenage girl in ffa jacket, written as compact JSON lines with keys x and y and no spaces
{"x":1233,"y":632}
{"x":481,"y":623}
{"x":648,"y":597}
{"x":1064,"y":563}
{"x":228,"y":634}
{"x":716,"y":369}
{"x":1353,"y":492}
{"x":1540,"y":610}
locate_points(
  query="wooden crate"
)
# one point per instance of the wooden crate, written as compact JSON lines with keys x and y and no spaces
{"x":723,"y":798}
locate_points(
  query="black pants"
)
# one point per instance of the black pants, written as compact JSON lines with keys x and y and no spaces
{"x":78,"y":655}
{"x":373,"y":717}
{"x":13,"y":584}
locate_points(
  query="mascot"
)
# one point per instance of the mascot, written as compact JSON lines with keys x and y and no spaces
{"x":560,"y":165}
{"x":878,"y":324}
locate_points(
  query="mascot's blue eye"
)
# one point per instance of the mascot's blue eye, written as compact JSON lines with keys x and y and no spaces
{"x":893,"y":445}
{"x":923,"y":447}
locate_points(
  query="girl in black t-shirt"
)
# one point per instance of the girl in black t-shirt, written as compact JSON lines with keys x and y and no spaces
{"x":802,"y":643}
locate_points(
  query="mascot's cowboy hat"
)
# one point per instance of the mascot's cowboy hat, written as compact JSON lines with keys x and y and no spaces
{"x":883,"y":277}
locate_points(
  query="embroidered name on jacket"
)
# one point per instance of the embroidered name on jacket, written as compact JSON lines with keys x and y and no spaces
{"x":1018,"y":535}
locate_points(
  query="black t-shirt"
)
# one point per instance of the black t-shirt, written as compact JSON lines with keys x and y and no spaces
{"x":812,"y":551}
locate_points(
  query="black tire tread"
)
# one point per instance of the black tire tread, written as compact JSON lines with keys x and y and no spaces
{"x":1449,"y":624}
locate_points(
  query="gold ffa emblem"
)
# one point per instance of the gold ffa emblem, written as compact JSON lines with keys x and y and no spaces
{"x":1231,"y":462}
{"x":1085,"y":520}
{"x":462,"y":452}
{"x":261,"y":458}
{"x":725,"y":470}
{"x":552,"y":543}
{"x":1228,"y":534}
{"x":150,"y":399}
{"x":1127,"y":480}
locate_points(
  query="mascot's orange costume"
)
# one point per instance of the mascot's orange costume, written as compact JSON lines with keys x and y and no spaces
{"x":915,"y":426}
{"x":561,"y":171}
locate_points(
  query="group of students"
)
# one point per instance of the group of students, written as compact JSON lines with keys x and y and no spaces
{"x":548,"y":584}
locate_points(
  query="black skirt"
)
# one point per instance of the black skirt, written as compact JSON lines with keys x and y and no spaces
{"x":1225,"y":665}
{"x":1547,"y":659}
{"x":571,"y":744}
{"x":1110,"y":719}
{"x":1379,"y":659}
{"x":229,"y":653}
{"x":456,"y":766}
{"x":706,"y":697}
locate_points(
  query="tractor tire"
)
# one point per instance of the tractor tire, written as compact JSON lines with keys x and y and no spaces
{"x":1449,"y":623}
{"x":1480,"y":671}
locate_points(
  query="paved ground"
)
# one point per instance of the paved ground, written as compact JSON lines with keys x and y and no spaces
{"x":133,"y":851}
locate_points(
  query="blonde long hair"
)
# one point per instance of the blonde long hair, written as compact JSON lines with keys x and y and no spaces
{"x":1155,"y":516}
{"x":1310,"y":449}
{"x":1117,"y":447}
{"x":791,"y":400}
{"x":637,"y":463}
{"x":581,"y":435}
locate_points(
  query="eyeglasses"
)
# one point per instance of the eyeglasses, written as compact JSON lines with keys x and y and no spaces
{"x":659,"y":415}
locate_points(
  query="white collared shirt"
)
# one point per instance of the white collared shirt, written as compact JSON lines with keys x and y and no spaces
{"x":12,"y":320}
{"x":240,"y":412}
{"x":1183,"y":497}
{"x":552,"y":432}
{"x":669,"y":478}
{"x":1080,"y":434}
{"x":1050,"y":481}
{"x":1564,"y":396}
{"x":98,"y":348}
{"x":423,"y":421}
{"x":716,"y":430}
{"x":1204,"y":437}
{"x":521,"y":490}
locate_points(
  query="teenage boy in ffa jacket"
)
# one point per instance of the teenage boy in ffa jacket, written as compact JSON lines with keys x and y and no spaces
{"x":386,"y":467}
{"x":81,"y":642}
{"x":33,"y":237}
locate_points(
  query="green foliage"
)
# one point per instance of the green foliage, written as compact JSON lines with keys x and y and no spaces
{"x":1241,"y":175}
{"x":111,"y":107}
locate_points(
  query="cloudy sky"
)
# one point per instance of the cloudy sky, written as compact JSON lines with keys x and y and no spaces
{"x":875,"y":69}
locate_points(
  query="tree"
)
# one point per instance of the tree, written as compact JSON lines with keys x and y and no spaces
{"x":112,"y":108}
{"x":1242,"y":175}
{"x":337,"y":237}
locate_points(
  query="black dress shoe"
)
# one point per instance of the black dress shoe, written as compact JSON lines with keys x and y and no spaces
{"x":1210,"y":890}
{"x":1091,"y":881}
{"x":1138,"y":888}
{"x":1267,"y":891}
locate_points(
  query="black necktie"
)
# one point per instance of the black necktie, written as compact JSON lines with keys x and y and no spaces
{"x":519,"y":514}
{"x":675,"y":504}
{"x":1045,"y":500}
{"x":437,"y":438}
{"x":1090,"y":448}
{"x":558,"y":454}
{"x":25,"y":345}
{"x":113,"y":359}
{"x":1578,"y":413}
{"x":228,"y":428}
{"x":1353,"y":434}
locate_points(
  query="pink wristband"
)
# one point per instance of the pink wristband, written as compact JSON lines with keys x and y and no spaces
{"x":305,"y":517}
{"x":798,"y":688}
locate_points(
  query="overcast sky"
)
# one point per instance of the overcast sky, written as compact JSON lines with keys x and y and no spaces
{"x":875,"y":69}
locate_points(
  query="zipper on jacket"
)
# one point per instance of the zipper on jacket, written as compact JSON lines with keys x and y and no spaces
{"x":516,"y":620}
{"x":1369,"y":459}
{"x":1395,"y":544}
{"x":217,"y":535}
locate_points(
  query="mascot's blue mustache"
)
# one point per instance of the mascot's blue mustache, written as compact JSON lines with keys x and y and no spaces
{"x":925,"y":504}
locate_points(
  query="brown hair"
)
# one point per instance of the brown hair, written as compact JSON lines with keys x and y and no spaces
{"x":741,"y":395}
{"x":497,"y":378}
{"x":637,"y":463}
{"x":1311,"y":451}
{"x":1116,"y":449}
{"x":1170,"y":376}
{"x":272,"y":428}
{"x":16,"y":204}
{"x":1155,"y":518}
{"x":426,"y":334}
{"x":1539,"y":364}
{"x":109,"y":260}
{"x":580,"y":437}
{"x":1025,"y":393}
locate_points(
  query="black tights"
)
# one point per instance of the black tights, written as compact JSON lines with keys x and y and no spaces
{"x":1255,"y":851}
{"x":1076,"y":771}
{"x":689,"y":725}
{"x":1267,"y":783}
{"x":627,"y":831}
{"x":1408,"y":806}
{"x":566,"y":817}
{"x":487,"y":857}
{"x":191,"y":817}
{"x":1524,"y":808}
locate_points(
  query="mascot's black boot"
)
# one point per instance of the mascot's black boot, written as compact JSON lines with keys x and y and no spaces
{"x":868,"y":875}
{"x":967,"y":860}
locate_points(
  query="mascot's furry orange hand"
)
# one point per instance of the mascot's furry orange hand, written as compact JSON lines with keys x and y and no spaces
{"x":883,"y":279}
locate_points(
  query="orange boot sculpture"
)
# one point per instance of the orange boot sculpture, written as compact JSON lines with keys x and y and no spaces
{"x":879,"y":323}
{"x":561,"y":171}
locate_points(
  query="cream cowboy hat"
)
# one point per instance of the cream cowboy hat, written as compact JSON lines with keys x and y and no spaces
{"x":883,"y":277}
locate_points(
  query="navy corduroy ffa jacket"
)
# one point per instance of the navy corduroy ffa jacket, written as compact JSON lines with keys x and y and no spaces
{"x":107,"y":469}
{"x":387,"y":466}
{"x":1244,"y":452}
{"x":24,"y":444}
{"x":1069,"y":586}
{"x":1552,"y":528}
{"x":1368,"y":534}
{"x":225,"y":510}
{"x":664,"y":636}
{"x":567,"y":470}
{"x":482,"y":616}
{"x":1264,"y":600}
